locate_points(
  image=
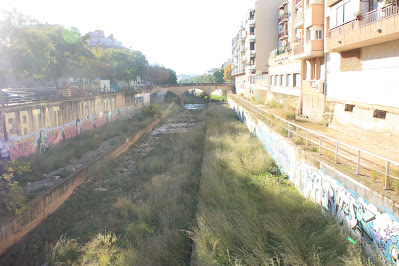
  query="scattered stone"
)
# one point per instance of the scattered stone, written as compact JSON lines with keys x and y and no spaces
{"x":29,"y":184}
{"x":101,"y":189}
{"x":56,"y":177}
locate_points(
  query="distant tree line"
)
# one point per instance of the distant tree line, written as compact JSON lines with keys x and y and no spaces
{"x":32,"y":50}
{"x":221,"y":75}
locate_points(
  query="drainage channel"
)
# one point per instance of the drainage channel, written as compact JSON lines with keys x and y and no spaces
{"x":89,"y":207}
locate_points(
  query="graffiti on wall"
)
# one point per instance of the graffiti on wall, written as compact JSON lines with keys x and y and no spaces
{"x":42,"y":140}
{"x":377,"y":227}
{"x":357,"y":216}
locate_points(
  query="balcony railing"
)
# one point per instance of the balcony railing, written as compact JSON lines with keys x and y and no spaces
{"x":297,"y":2}
{"x":283,"y":34}
{"x":298,"y":19}
{"x":299,"y":48}
{"x":283,"y":18}
{"x":366,"y":19}
{"x":298,"y":39}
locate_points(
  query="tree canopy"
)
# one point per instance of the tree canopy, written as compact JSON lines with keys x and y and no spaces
{"x":216,"y":77}
{"x":42,"y":51}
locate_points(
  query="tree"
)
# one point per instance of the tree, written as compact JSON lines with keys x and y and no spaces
{"x":172,"y":77}
{"x":227,"y":74}
{"x":217,"y":76}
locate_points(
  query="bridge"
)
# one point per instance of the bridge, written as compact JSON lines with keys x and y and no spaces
{"x":179,"y":89}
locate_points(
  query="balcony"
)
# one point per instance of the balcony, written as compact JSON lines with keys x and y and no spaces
{"x":299,"y":49}
{"x":252,"y":68}
{"x":298,"y":3}
{"x":252,"y":52}
{"x":283,"y":35}
{"x":378,"y":26}
{"x":283,"y":18}
{"x":298,"y":19}
{"x":283,"y":4}
{"x":309,"y":49}
{"x":252,"y":37}
{"x":251,"y":22}
{"x":332,"y":2}
{"x":298,"y":39}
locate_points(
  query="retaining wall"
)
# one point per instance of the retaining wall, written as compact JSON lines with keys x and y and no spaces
{"x":31,"y":128}
{"x":365,"y":214}
{"x":12,"y":230}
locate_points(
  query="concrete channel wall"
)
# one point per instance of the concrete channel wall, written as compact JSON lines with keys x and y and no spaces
{"x":30,"y":128}
{"x":365,"y":214}
{"x":13,"y":230}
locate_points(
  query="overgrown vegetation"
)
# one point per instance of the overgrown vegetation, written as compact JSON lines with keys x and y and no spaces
{"x":64,"y":153}
{"x":12,"y":200}
{"x":151,"y":111}
{"x":138,"y":216}
{"x":250,"y":214}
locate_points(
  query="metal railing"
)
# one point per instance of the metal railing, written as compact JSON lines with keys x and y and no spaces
{"x":299,"y":48}
{"x":283,"y":17}
{"x":338,"y":151}
{"x":366,"y":19}
{"x":283,"y":34}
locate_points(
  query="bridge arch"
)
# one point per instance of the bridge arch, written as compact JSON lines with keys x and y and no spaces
{"x":179,"y":89}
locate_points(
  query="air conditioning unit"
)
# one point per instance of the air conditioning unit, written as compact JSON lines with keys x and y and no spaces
{"x":320,"y":86}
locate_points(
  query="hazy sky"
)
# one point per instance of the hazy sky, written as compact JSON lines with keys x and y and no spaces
{"x":185,"y":35}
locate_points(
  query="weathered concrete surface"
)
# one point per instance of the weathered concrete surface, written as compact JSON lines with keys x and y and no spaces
{"x":363,"y":212}
{"x":32,"y":128}
{"x":12,"y":230}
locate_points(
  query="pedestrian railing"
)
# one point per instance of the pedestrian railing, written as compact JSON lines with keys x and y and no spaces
{"x":362,"y":161}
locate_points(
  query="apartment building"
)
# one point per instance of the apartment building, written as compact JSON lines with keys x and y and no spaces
{"x":309,"y":49}
{"x":284,"y":68}
{"x":97,"y":38}
{"x":362,"y":46}
{"x":252,"y":45}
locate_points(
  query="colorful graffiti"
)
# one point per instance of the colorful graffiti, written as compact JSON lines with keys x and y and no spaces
{"x":22,"y":148}
{"x":54,"y":137}
{"x":359,"y":218}
{"x":378,"y":228}
{"x":101,"y":121}
{"x":87,"y":125}
{"x":43,"y":139}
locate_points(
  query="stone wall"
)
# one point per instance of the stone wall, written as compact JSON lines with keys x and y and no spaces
{"x":31,"y":128}
{"x":364,"y":213}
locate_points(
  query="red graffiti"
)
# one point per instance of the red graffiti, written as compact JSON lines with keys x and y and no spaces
{"x":70,"y":132}
{"x":87,"y":125}
{"x":115,"y":115}
{"x":101,"y":121}
{"x":54,"y":137}
{"x":22,"y":148}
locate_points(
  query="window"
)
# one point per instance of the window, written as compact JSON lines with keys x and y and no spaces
{"x":313,"y":70}
{"x":380,"y":114}
{"x":322,"y":69}
{"x":24,"y":119}
{"x":309,"y":32}
{"x":319,"y":34}
{"x":271,"y":80}
{"x":288,"y":80}
{"x":281,"y":80}
{"x":275,"y":80}
{"x":349,"y":107}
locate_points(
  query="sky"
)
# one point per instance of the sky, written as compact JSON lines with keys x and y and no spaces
{"x":188,"y":36}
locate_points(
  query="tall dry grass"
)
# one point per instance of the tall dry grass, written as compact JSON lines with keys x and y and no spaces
{"x":248,"y":216}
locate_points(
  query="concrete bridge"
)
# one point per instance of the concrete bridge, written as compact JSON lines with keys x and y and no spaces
{"x":179,"y":89}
